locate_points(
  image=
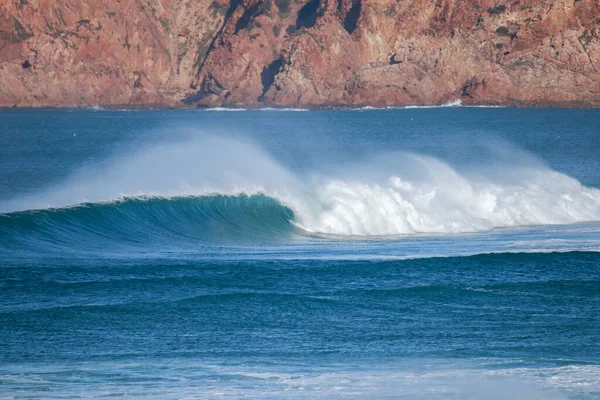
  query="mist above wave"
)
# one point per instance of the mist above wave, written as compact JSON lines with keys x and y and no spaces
{"x":382,"y":194}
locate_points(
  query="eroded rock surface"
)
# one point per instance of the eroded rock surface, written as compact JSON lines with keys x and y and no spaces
{"x":299,"y":52}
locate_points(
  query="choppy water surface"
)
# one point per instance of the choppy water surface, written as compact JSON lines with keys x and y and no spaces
{"x":408,"y":253}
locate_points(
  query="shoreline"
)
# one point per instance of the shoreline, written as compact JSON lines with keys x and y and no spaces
{"x":329,"y":107}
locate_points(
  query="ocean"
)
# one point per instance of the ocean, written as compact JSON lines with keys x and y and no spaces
{"x":418,"y":253}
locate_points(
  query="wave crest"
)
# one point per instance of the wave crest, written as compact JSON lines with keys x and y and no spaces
{"x":395,"y":194}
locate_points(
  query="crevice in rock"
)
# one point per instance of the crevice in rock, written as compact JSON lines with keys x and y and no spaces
{"x":307,"y":16}
{"x":352,"y":17}
{"x":200,"y":94}
{"x":497,"y":10}
{"x":20,"y":33}
{"x":232,"y":7}
{"x":471,"y":87}
{"x":466,"y":89}
{"x":209,"y":86}
{"x":268,"y":74}
{"x":247,"y":17}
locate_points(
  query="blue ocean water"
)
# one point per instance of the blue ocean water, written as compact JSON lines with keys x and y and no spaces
{"x":429,"y":253}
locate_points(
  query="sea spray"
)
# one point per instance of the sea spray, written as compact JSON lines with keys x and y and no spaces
{"x":390,"y":193}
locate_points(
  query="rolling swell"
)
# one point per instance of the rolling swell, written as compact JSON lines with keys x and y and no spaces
{"x":155,"y":220}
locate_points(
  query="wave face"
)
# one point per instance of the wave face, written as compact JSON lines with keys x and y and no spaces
{"x":238,"y":187}
{"x":131,"y":221}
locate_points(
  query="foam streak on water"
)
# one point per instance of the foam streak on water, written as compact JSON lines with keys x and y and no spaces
{"x":421,"y":379}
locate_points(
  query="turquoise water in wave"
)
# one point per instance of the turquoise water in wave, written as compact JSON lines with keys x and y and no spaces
{"x":434,"y":253}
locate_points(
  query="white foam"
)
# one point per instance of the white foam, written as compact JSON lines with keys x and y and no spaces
{"x":414,"y":379}
{"x":453,"y":103}
{"x":449,"y":202}
{"x":224,"y":109}
{"x":288,"y":109}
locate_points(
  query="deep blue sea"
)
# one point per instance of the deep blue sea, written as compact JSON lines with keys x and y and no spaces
{"x":421,"y":253}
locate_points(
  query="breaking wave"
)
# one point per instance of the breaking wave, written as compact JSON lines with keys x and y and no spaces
{"x":217,"y":184}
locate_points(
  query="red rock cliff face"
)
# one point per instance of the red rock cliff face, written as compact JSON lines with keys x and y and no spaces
{"x":89,"y":52}
{"x":299,"y":52}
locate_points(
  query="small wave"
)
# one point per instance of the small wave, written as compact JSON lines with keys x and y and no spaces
{"x":224,"y":109}
{"x":109,"y":109}
{"x":450,"y":104}
{"x":287,"y":109}
{"x":454,"y":103}
{"x":276,"y":109}
{"x":484,"y":106}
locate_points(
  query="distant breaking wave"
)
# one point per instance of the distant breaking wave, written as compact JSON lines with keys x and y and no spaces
{"x":454,"y":103}
{"x":232,"y":109}
{"x":226,"y":109}
{"x":284,"y":109}
{"x":237,"y":186}
{"x":450,"y":104}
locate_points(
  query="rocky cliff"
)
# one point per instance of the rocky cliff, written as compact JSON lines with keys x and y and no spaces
{"x":299,"y":52}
